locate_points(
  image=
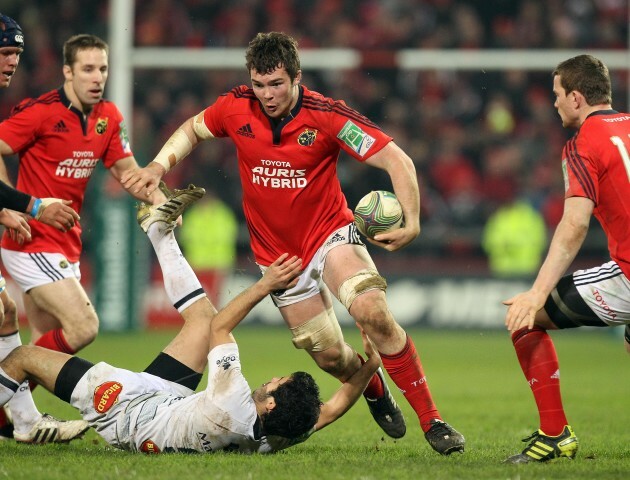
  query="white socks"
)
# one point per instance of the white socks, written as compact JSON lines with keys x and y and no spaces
{"x":180,"y":282}
{"x":23,"y":410}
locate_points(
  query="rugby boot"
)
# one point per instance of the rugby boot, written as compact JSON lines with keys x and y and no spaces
{"x":169,"y":210}
{"x":543,"y":447}
{"x":386,"y":411}
{"x":444,"y":439}
{"x":51,"y":430}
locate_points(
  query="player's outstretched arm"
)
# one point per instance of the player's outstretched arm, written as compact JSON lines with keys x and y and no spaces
{"x":280,"y":275}
{"x":352,"y":389}
{"x":176,"y":148}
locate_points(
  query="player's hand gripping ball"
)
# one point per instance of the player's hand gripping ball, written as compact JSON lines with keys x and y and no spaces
{"x":378,"y":212}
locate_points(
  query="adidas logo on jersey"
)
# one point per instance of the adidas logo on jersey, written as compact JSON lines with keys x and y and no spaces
{"x":60,"y":127}
{"x":246,"y":131}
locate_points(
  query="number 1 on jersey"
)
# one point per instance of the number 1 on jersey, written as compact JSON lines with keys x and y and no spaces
{"x":623,"y":152}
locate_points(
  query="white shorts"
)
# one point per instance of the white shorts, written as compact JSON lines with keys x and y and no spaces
{"x":105,"y":395}
{"x":595,"y":297}
{"x":606,"y":290}
{"x":30,"y":270}
{"x":310,"y":282}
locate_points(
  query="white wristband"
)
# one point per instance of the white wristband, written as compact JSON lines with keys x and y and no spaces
{"x":174,"y":150}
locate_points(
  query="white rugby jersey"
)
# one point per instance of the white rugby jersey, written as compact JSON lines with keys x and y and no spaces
{"x":143,"y":413}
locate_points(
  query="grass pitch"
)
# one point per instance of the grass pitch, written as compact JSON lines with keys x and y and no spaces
{"x":476,"y":383}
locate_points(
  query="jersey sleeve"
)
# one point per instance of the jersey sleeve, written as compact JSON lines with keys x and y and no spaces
{"x":119,"y":146}
{"x":356,"y":134}
{"x":214,"y":114}
{"x":226,"y":383}
{"x":21,"y":129}
{"x":580,"y":169}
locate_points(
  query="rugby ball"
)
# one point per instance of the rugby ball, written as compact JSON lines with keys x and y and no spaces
{"x":378,"y":212}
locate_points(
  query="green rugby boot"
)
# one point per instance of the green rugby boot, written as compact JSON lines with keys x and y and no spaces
{"x":544,"y":447}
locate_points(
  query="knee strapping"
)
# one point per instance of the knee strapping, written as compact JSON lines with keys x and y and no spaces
{"x":319,"y":333}
{"x":359,"y":283}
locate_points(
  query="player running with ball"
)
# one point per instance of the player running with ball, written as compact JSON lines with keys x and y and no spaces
{"x":288,"y":140}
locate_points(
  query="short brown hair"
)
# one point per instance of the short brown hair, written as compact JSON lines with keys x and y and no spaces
{"x":82,"y":41}
{"x":268,"y":51}
{"x":587,"y":75}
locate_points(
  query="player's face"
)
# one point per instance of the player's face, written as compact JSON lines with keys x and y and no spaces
{"x":267,"y":388}
{"x":9,"y":59}
{"x":88,"y":76}
{"x":565,"y":104}
{"x":276,"y":92}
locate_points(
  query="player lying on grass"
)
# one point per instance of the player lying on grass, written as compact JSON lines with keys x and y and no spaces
{"x":158,"y":410}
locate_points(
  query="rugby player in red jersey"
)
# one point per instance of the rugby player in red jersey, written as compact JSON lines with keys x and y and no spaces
{"x":288,"y":140}
{"x":60,"y":138}
{"x":29,"y":426}
{"x":596,"y":168}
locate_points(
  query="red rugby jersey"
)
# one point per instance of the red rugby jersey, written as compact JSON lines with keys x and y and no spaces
{"x":292,"y":198}
{"x":596,"y":165}
{"x":58,"y":151}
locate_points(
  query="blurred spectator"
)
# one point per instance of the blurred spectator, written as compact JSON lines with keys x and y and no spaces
{"x":481,"y":127}
{"x":514,"y":238}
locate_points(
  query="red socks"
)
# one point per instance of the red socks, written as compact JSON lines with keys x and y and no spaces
{"x":375,"y":388}
{"x":54,"y":340}
{"x":539,"y":362}
{"x":405,"y":369}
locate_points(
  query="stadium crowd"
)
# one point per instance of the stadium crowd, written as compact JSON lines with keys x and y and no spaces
{"x":478,"y":138}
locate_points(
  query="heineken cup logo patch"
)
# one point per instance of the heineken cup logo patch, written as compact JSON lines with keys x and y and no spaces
{"x":355,"y":138}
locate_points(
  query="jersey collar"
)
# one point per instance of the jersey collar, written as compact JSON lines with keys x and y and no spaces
{"x":67,"y":103}
{"x":603,"y":112}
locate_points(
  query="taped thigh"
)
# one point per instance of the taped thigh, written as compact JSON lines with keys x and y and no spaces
{"x":360,"y":282}
{"x":319,"y":333}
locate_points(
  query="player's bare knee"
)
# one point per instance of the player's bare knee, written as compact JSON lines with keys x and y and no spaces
{"x":81,"y":334}
{"x":370,"y":310}
{"x":8,"y":316}
{"x":331,"y":361}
